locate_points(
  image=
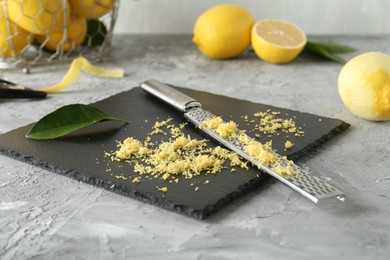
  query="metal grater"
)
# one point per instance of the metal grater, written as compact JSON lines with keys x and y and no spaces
{"x":306,"y":184}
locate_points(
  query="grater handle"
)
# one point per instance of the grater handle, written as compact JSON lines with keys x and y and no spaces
{"x":170,"y":95}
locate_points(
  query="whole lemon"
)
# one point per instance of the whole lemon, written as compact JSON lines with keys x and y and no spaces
{"x":92,"y":9}
{"x":224,"y":31}
{"x":39,"y":16}
{"x":13,"y":39}
{"x":364,"y":86}
{"x":77,"y":29}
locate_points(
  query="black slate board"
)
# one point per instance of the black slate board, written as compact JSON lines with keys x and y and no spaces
{"x":81,"y":154}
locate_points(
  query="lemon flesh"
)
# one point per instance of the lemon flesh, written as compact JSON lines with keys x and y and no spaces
{"x":277,"y":41}
{"x":224,"y":31}
{"x":39,"y":16}
{"x":13,"y":39}
{"x":364,"y":86}
{"x":77,"y":30}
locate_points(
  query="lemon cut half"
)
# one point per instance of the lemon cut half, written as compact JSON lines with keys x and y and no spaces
{"x":277,"y":41}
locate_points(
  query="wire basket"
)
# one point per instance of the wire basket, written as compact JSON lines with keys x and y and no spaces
{"x":39,"y":32}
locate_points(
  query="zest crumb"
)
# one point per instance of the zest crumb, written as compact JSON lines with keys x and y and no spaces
{"x":163,"y":189}
{"x":136,"y":180}
{"x":288,"y":145}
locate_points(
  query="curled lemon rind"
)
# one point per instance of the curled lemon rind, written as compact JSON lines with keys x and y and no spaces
{"x":82,"y":64}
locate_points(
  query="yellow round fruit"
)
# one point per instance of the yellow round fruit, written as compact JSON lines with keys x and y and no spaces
{"x":13,"y":39}
{"x":364,"y":86}
{"x":39,"y":16}
{"x":77,"y":29}
{"x":92,"y":9}
{"x":223,"y":31}
{"x":277,"y":41}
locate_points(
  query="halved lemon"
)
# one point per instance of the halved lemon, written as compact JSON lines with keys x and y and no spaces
{"x":277,"y":41}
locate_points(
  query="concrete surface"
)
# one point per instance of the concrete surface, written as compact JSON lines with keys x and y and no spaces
{"x":47,"y":216}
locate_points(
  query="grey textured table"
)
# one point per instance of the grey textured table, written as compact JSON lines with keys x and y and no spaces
{"x":44,"y":215}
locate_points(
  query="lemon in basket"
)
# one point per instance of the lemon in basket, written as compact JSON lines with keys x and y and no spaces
{"x":364,"y":86}
{"x":69,"y":40}
{"x":39,"y":16}
{"x":13,"y":39}
{"x":92,"y":9}
{"x":224,"y":31}
{"x":277,"y":41}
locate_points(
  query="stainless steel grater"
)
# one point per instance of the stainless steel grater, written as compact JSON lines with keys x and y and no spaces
{"x":306,"y":184}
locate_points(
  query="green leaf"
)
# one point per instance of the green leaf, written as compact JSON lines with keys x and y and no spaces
{"x":68,"y":119}
{"x":96,"y":33}
{"x":331,"y":47}
{"x":328,"y":50}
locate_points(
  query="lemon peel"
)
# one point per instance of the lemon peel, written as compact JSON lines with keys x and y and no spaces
{"x":82,"y":64}
{"x":364,"y":86}
{"x":223,"y":31}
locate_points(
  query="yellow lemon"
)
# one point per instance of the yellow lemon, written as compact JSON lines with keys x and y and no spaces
{"x":13,"y":39}
{"x":277,"y":41}
{"x":77,"y":29}
{"x":364,"y":86}
{"x":223,"y":31}
{"x":92,"y":9}
{"x":39,"y":16}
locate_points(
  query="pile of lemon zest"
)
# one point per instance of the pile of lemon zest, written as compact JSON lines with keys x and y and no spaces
{"x":179,"y":156}
{"x":82,"y":64}
{"x":212,"y":123}
{"x":270,"y":124}
{"x":227,"y":130}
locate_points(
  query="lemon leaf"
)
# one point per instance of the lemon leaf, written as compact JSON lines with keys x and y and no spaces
{"x":328,"y":50}
{"x":68,"y":119}
{"x":332,"y":47}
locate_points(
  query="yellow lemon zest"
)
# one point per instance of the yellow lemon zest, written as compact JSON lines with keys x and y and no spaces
{"x":82,"y":64}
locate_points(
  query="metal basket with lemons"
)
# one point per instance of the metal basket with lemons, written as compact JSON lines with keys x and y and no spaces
{"x":34,"y":32}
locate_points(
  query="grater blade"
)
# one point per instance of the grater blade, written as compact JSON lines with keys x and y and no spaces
{"x":306,"y":184}
{"x":310,"y":186}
